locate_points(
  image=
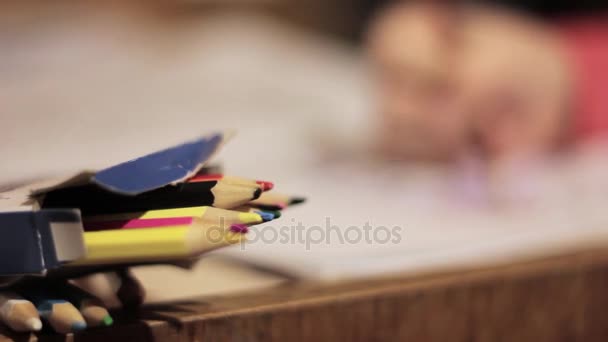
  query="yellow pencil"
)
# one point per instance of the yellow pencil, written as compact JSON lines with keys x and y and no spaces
{"x":157,"y":243}
{"x":215,"y":216}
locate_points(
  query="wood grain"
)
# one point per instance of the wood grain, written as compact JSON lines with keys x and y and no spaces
{"x":561,"y":298}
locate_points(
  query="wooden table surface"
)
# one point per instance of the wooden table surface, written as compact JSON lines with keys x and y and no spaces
{"x":558,"y":298}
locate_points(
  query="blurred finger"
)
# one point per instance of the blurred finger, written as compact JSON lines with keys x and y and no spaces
{"x":130,"y":292}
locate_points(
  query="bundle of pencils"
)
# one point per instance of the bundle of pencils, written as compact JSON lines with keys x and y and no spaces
{"x":132,"y":214}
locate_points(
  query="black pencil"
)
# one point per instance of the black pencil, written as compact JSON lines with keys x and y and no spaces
{"x":91,"y":199}
{"x":275,"y":201}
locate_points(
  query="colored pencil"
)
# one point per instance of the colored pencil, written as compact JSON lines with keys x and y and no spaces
{"x":169,"y":222}
{"x":91,"y":308}
{"x":267,"y":215}
{"x":92,"y":200}
{"x":155,"y":244}
{"x":264,"y":185}
{"x":18,"y":313}
{"x":210,"y":215}
{"x":274,"y":201}
{"x":252,"y":209}
{"x":61,"y":315}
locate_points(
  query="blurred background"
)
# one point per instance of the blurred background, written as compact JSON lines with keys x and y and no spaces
{"x":478,"y":127}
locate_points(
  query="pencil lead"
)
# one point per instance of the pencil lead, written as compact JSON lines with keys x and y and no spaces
{"x":239,"y":228}
{"x":107,"y":321}
{"x":276,"y":213}
{"x":34,"y":324}
{"x":257,"y":193}
{"x":266,"y":186}
{"x":79,"y":326}
{"x":297,"y":200}
{"x":251,"y":218}
{"x":266,"y":216}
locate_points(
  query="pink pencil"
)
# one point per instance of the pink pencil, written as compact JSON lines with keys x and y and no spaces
{"x":137,"y":223}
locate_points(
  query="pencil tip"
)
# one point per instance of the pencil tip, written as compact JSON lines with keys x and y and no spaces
{"x":107,"y":321}
{"x":239,"y":228}
{"x":79,"y":326}
{"x":35,"y":324}
{"x":257,"y":193}
{"x":249,"y":218}
{"x":266,"y":216}
{"x":297,"y":200}
{"x":276,"y":213}
{"x":266,"y":186}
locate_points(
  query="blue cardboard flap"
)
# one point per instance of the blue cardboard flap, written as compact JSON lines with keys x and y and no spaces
{"x":170,"y":166}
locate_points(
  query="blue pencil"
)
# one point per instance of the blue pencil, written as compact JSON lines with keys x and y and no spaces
{"x":61,"y":315}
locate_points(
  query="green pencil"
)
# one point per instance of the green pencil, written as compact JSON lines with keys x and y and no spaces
{"x":62,"y":316}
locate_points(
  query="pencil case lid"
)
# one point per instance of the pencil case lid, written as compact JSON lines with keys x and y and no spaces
{"x":173,"y":165}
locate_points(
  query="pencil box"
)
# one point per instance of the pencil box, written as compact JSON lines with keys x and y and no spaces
{"x":33,"y":242}
{"x":36,"y":237}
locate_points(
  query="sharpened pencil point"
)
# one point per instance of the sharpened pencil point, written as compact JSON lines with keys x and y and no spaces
{"x":266,"y":186}
{"x":79,"y":326}
{"x":35,"y":324}
{"x":297,"y":200}
{"x":257,"y":193}
{"x":276,"y":213}
{"x":107,"y":321}
{"x":250,"y":218}
{"x":266,"y":216}
{"x":239,"y":228}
